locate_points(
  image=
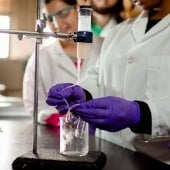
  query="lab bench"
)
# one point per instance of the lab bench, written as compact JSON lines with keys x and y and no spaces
{"x":16,"y":139}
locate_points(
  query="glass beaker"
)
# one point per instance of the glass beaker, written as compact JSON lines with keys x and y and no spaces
{"x":74,"y":137}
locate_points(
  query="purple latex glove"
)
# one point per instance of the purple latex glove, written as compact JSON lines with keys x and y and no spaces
{"x":65,"y":95}
{"x":109,"y":113}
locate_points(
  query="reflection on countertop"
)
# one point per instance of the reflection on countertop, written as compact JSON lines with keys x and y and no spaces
{"x":8,"y":101}
{"x":8,"y":104}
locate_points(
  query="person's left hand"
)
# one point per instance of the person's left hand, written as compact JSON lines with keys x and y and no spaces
{"x":109,"y":113}
{"x":65,"y":95}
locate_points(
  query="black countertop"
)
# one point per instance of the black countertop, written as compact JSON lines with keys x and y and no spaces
{"x":16,"y":139}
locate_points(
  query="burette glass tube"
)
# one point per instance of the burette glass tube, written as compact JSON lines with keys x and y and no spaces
{"x":84,"y":24}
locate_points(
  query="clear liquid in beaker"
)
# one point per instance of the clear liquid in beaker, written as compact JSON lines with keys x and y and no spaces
{"x":74,"y":137}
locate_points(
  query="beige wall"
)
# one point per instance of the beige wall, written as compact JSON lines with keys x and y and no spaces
{"x":23,"y":13}
{"x":23,"y":17}
{"x":11,"y":75}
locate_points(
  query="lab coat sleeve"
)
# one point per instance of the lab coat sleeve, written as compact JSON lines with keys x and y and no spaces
{"x":160,"y":118}
{"x":90,"y":81}
{"x":44,"y":111}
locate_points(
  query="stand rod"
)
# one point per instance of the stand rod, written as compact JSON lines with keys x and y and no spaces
{"x":36,"y":77}
{"x":39,"y":34}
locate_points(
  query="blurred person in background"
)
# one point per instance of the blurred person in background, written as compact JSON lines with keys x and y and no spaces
{"x":105,"y":15}
{"x":57,"y":62}
{"x":130,"y":10}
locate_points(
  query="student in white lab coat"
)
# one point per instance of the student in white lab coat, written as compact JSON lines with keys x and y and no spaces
{"x":130,"y":84}
{"x":57,"y":62}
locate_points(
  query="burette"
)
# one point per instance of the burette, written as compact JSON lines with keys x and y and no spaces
{"x":82,"y":36}
{"x":83,"y":48}
{"x":83,"y":52}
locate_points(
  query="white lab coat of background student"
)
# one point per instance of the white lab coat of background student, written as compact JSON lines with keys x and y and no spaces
{"x":54,"y":67}
{"x":136,"y":66}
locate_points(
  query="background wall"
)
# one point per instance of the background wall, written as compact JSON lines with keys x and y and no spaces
{"x":23,"y":17}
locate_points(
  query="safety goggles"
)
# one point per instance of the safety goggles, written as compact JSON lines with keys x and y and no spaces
{"x":61,"y":14}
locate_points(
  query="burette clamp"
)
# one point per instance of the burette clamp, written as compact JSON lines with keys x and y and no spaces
{"x":83,"y":36}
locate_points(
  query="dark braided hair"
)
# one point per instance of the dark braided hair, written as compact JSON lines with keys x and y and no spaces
{"x":69,"y":2}
{"x":117,"y":10}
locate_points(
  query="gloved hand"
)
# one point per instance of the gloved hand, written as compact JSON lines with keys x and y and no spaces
{"x":65,"y":95}
{"x":109,"y":113}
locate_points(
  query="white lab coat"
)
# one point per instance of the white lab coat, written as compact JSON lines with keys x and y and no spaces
{"x":136,"y":66}
{"x":54,"y":67}
{"x":109,"y":26}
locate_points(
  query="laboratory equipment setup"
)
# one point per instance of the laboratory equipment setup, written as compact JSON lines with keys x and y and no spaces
{"x":74,"y":151}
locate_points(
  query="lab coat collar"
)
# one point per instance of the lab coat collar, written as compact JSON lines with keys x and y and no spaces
{"x":139,"y":27}
{"x":112,"y":22}
{"x":64,"y":61}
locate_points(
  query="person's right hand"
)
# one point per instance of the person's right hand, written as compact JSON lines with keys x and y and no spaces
{"x":65,"y":95}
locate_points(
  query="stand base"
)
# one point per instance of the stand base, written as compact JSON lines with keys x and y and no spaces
{"x":51,"y":160}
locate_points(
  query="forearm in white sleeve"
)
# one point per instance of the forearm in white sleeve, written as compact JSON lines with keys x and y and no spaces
{"x":90,"y":81}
